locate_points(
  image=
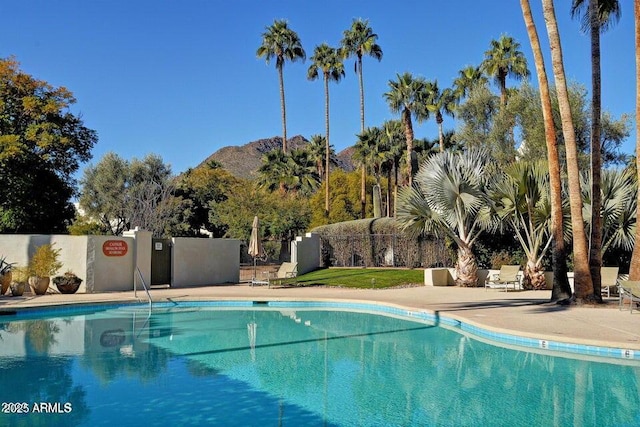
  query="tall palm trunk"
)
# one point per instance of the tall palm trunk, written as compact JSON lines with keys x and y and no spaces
{"x":561,"y":289}
{"x":634,"y":270}
{"x":363,"y":174}
{"x":408,"y":133}
{"x":582,"y":276}
{"x":595,"y":244}
{"x":466,"y":267}
{"x":439,"y":121}
{"x":327,"y":149}
{"x":283,"y":109}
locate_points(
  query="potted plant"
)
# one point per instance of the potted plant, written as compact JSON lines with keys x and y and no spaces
{"x":68,"y":283}
{"x":44,"y":264}
{"x":5,"y":275}
{"x":19,"y":282}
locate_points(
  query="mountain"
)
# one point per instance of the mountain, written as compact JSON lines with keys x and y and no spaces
{"x":244,"y":161}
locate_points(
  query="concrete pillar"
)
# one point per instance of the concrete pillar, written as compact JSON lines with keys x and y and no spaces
{"x":141,"y":255}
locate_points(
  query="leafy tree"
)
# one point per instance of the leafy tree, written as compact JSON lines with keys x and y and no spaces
{"x":122,"y":194}
{"x":198,"y":188}
{"x":451,"y":197}
{"x":407,"y":96}
{"x":326,"y":60}
{"x":281,"y":218}
{"x":283,"y":44}
{"x":505,"y":59}
{"x":41,"y":146}
{"x":345,"y":196}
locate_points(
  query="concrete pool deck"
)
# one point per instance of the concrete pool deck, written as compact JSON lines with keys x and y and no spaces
{"x":523,"y":313}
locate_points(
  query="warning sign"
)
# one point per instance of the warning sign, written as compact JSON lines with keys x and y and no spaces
{"x":115,"y":248}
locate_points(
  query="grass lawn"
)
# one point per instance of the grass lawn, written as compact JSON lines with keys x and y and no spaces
{"x":362,"y":277}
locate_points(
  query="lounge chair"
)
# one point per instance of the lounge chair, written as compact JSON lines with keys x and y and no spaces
{"x":609,"y":279}
{"x":629,"y":289}
{"x":508,"y":275}
{"x":287,"y":270}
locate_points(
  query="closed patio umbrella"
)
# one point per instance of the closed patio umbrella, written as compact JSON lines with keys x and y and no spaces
{"x":255,"y":243}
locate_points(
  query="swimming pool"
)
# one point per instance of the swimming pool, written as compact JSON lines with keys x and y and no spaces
{"x":238,"y":363}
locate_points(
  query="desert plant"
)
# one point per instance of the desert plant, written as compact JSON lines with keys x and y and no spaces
{"x":44,"y":262}
{"x":67,"y":283}
{"x":5,"y":267}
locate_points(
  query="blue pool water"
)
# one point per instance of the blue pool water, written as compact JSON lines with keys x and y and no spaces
{"x":193,"y":365}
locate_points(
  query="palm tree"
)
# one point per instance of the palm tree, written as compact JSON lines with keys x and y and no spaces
{"x":394,"y":134}
{"x":634,"y":270}
{"x":326,"y":60}
{"x":360,"y":40}
{"x":582,"y":275}
{"x":561,"y":289}
{"x":468,"y":78}
{"x":407,"y":96}
{"x":317,"y":148}
{"x":522,"y":199}
{"x":503,"y":60}
{"x":283,"y":44}
{"x":440,"y":103}
{"x":451,"y":197}
{"x":275,"y":169}
{"x":303,"y":178}
{"x":597,"y":16}
{"x":618,"y":195}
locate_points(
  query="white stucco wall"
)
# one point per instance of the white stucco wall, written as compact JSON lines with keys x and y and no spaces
{"x":18,"y":248}
{"x":204,"y":261}
{"x":305,"y":250}
{"x":109,"y":273}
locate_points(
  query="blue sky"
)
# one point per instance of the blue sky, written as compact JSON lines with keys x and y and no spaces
{"x":181,"y":78}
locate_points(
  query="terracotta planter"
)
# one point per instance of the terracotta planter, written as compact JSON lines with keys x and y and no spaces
{"x":17,"y":288}
{"x":39,"y":285}
{"x":5,"y":282}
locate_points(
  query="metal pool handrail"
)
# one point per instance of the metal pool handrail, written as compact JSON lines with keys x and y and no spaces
{"x":144,"y":285}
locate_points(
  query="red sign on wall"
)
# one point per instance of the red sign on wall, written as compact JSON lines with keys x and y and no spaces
{"x":115,"y":248}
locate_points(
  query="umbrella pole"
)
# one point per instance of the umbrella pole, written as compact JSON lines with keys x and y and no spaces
{"x":254,"y":268}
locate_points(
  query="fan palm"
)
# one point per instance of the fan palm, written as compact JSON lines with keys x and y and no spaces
{"x":283,"y":44}
{"x":451,"y":196}
{"x":407,"y":96}
{"x":439,"y":103}
{"x":505,"y":59}
{"x":619,"y":203}
{"x":522,"y":199}
{"x":326,"y":60}
{"x":317,"y":147}
{"x":360,"y":40}
{"x":597,"y":16}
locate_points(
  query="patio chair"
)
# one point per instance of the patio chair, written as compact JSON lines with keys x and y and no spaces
{"x":287,"y":270}
{"x":629,"y":289}
{"x":609,"y":279}
{"x":508,"y":275}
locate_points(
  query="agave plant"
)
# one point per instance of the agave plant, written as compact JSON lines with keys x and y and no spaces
{"x":451,"y":196}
